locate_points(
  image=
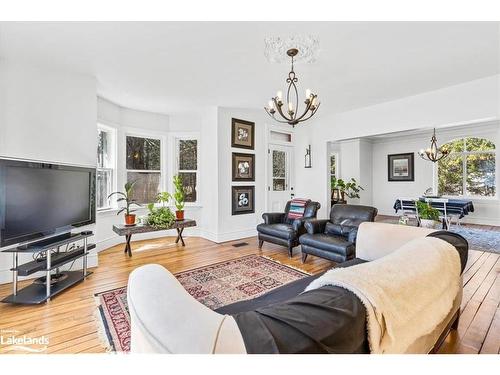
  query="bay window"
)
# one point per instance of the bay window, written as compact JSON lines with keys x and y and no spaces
{"x":106,"y":170}
{"x":187,"y":166}
{"x":143,"y":165}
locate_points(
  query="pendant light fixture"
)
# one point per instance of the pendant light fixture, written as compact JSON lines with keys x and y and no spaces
{"x":288,"y":111}
{"x":433,"y":153}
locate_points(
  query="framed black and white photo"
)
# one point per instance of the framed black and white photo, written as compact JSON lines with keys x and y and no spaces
{"x":243,"y":200}
{"x":243,"y":167}
{"x":242,"y":134}
{"x":401,"y":167}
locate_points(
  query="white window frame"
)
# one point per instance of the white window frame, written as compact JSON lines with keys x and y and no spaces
{"x":463,"y":154}
{"x":113,"y":162}
{"x":176,"y":137}
{"x":138,"y":133}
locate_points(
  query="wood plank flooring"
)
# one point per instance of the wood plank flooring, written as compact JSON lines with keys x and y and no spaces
{"x":69,"y":319}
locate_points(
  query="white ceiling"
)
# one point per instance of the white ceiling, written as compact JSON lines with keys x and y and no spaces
{"x":169,"y":67}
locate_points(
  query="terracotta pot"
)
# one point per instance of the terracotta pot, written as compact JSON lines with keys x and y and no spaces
{"x":179,"y":215}
{"x":130,"y":219}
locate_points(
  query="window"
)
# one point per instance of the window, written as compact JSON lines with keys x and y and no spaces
{"x":279,"y":171}
{"x":105,"y":165}
{"x":143,"y":164}
{"x":469,"y":169}
{"x":187,"y":167}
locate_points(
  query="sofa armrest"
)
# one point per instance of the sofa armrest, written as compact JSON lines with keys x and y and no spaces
{"x":273,"y":217}
{"x":315,"y":226}
{"x":298,"y":225}
{"x":353,"y":233}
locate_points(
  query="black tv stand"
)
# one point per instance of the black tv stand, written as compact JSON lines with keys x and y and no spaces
{"x":53,"y":259}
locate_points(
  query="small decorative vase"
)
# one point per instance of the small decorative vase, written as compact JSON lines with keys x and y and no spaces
{"x":130,"y":219}
{"x":179,"y":215}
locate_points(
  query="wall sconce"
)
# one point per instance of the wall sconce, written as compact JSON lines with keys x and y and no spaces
{"x":307,"y":157}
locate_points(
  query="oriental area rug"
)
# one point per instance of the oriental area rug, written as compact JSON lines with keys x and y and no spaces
{"x":214,"y":286}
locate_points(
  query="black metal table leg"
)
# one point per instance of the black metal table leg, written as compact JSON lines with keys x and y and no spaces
{"x":128,"y":249}
{"x":179,"y":236}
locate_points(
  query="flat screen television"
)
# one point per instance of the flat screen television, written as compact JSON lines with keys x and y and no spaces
{"x":42,"y":199}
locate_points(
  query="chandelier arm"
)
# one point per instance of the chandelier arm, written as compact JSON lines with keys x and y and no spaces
{"x":311,"y":115}
{"x":308,"y":107}
{"x":275,"y":119}
{"x":290,"y":85}
{"x":278,"y":108}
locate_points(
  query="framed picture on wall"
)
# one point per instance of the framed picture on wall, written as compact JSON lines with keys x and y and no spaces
{"x":243,"y":167}
{"x":242,"y":134}
{"x":401,"y":167}
{"x":243,"y":200}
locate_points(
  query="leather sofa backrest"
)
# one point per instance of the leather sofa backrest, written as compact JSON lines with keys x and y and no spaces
{"x":352,"y":215}
{"x":309,"y":213}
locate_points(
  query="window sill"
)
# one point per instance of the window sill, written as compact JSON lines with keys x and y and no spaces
{"x":113,"y":211}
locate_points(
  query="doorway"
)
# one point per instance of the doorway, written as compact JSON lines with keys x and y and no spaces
{"x":280,"y":181}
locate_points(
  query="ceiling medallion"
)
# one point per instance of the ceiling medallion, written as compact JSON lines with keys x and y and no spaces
{"x":291,"y":114}
{"x":433,"y":153}
{"x":276,"y":48}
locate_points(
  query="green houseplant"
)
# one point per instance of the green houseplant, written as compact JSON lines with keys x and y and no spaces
{"x":129,"y":202}
{"x":427,"y":214}
{"x":179,"y":197}
{"x":341,"y":188}
{"x":161,"y":217}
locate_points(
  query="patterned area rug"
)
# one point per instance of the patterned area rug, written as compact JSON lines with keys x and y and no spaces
{"x":215,"y":286}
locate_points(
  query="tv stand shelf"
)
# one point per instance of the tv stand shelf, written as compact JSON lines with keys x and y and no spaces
{"x":53,"y":259}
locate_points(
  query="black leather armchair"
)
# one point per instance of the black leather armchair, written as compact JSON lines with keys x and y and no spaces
{"x":280,"y":230}
{"x":335,"y":239}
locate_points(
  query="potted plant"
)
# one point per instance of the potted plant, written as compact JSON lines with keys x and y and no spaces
{"x":341,"y":189}
{"x":161,"y":217}
{"x":427,"y":214}
{"x":129,"y":202}
{"x":179,"y":197}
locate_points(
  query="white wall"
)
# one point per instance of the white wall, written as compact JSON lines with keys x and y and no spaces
{"x":470,"y":102}
{"x":46,"y":115}
{"x":239,"y":226}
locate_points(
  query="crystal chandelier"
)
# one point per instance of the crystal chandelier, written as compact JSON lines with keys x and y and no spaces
{"x":433,"y":153}
{"x":290,"y":114}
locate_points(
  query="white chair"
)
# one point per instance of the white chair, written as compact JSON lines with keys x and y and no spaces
{"x":409,"y":208}
{"x":440,"y":204}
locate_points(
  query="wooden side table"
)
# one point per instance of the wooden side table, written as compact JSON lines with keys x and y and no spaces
{"x":129,"y":230}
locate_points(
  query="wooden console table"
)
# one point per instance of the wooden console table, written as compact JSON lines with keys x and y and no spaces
{"x":128,"y":231}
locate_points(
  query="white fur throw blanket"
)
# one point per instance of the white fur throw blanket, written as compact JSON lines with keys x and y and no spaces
{"x":406,"y":293}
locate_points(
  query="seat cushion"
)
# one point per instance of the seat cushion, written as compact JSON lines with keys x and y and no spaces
{"x":284,"y":231}
{"x":335,"y":244}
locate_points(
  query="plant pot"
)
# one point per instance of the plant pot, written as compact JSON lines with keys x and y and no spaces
{"x":179,"y":215}
{"x":426,"y":223}
{"x":130,"y":219}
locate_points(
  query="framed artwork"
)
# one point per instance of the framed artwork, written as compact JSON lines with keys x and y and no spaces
{"x":243,"y":200}
{"x":243,"y":167}
{"x":242,"y":134}
{"x":401,"y":167}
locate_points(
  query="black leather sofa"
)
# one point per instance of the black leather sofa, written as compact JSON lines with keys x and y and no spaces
{"x":280,"y":230}
{"x":335,"y":239}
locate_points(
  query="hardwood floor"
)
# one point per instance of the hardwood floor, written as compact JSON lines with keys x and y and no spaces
{"x":69,"y":322}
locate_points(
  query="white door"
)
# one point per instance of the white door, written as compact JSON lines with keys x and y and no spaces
{"x":280,"y":177}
